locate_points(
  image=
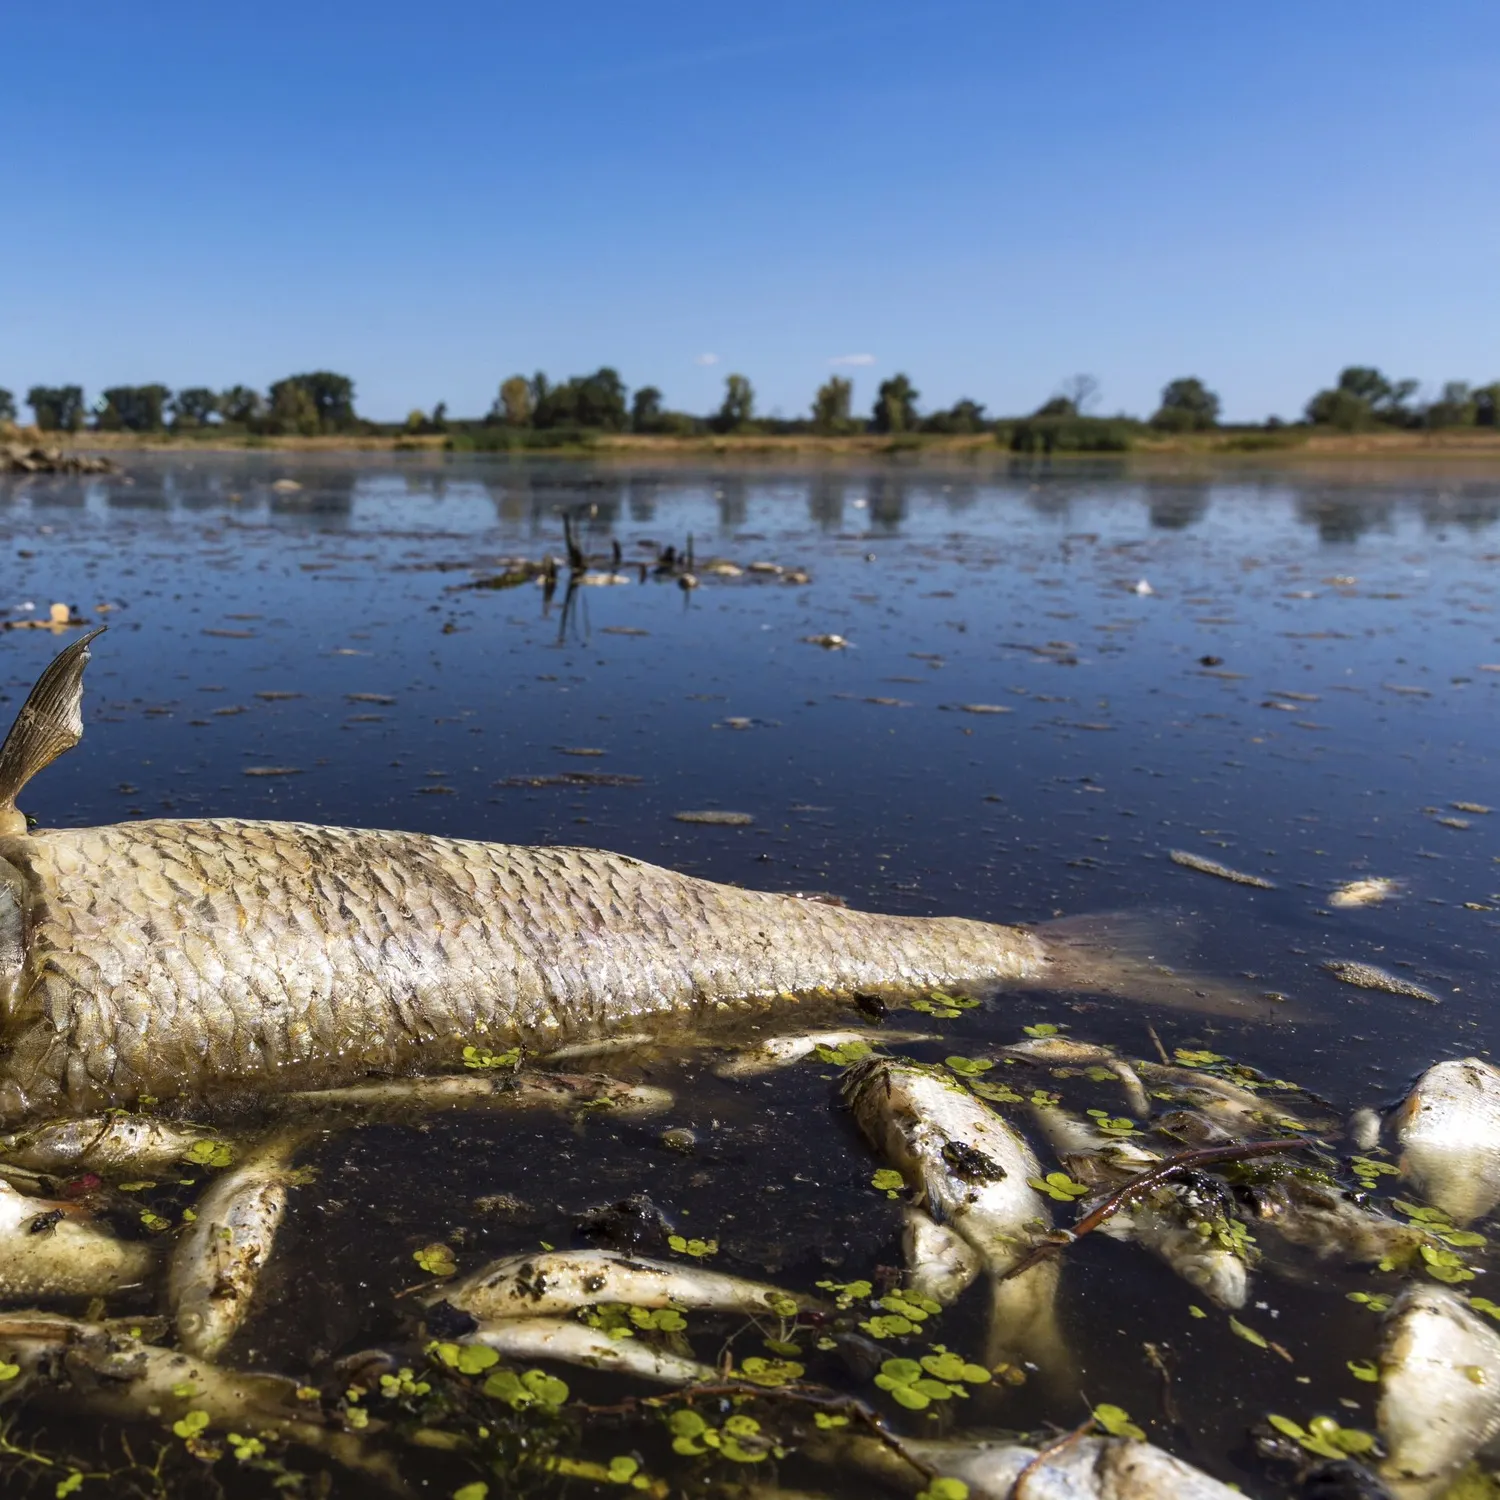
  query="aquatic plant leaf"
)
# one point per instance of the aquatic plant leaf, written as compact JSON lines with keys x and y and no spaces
{"x":1250,"y":1336}
{"x":1041,"y":1029}
{"x":1192,"y":1058}
{"x":1377,"y":1302}
{"x":1115,"y":1420}
{"x":1484,"y":1305}
{"x":209,"y":1154}
{"x":436,"y":1259}
{"x":846,"y":1292}
{"x":190,"y":1424}
{"x":698,"y":1249}
{"x":888,"y":1181}
{"x":826,"y":1420}
{"x":478,"y":1490}
{"x":686,"y":1423}
{"x":997,"y":1093}
{"x":844,"y":1054}
{"x":1364,"y":1369}
{"x":770,"y":1372}
{"x":479,"y":1057}
{"x":70,"y":1485}
{"x":968,"y":1067}
{"x":941,"y":1488}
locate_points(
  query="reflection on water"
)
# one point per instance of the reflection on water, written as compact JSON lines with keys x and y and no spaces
{"x":1291,"y":674}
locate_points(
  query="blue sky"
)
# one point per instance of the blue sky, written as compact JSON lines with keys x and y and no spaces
{"x":989,"y":197}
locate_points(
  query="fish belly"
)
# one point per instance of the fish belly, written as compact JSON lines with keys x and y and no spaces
{"x":174,"y":957}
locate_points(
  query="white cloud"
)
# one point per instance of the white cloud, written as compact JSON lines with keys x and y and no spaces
{"x":853,"y":359}
{"x":705,"y":359}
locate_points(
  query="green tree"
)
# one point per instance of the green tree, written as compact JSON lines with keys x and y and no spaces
{"x":193,"y":406}
{"x":513,"y":405}
{"x":1057,"y":406}
{"x":133,"y":408}
{"x":293,"y":409}
{"x":1456,"y":407}
{"x":896,"y":405}
{"x":56,"y":408}
{"x":331,"y":396}
{"x":1362,"y":398}
{"x":738,"y":406}
{"x":7,"y":405}
{"x":596,"y":400}
{"x":1487,"y":404}
{"x":833,"y":406}
{"x":962,"y":417}
{"x":1187,"y":405}
{"x":240,"y":404}
{"x":646,"y":410}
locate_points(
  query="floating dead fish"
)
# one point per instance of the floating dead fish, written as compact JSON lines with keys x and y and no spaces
{"x":483,"y":1090}
{"x":1239,"y":1110}
{"x":969,"y":1171}
{"x":552,"y":1283}
{"x":717,"y":817}
{"x":49,"y":1250}
{"x":827,"y":642}
{"x":1194,"y":1236}
{"x":1067,"y":1052}
{"x":1439,"y":1391}
{"x":1085,"y":1468}
{"x":104,"y":1143}
{"x":782,"y":1051}
{"x":217,"y":1264}
{"x":276,"y":957}
{"x":1213,"y":867}
{"x":1448,"y":1129}
{"x":1323,"y":1219}
{"x":577,"y":1344}
{"x":939,"y":1263}
{"x":73,"y":1366}
{"x":1368,"y":977}
{"x":1369,"y":892}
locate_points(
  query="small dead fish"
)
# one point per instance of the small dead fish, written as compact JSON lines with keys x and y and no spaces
{"x":939,"y":1263}
{"x":1368,"y":977}
{"x":47,"y":1250}
{"x":1088,"y":1468}
{"x":1448,"y":1129}
{"x":75,"y":1366}
{"x":1170,"y":1221}
{"x":1322,"y":1218}
{"x":578,"y":1344}
{"x":1213,"y":867}
{"x":1369,"y":892}
{"x":218,"y":1261}
{"x":600,"y":1047}
{"x":103,"y":1143}
{"x":555,"y":1282}
{"x":1439,"y":1391}
{"x":1237,"y":1109}
{"x":782,"y":1051}
{"x":1068,"y":1052}
{"x":827,"y":642}
{"x":491,"y":1091}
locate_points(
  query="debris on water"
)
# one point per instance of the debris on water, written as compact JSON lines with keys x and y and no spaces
{"x":625,"y":1225}
{"x":1368,"y":977}
{"x":285,"y":486}
{"x":369,"y":698}
{"x":578,"y":750}
{"x":827,"y":642}
{"x":982,"y":708}
{"x":275,"y":695}
{"x":272,"y":771}
{"x":623,"y":630}
{"x":679,"y":1139}
{"x":1143,"y":588}
{"x":572,"y":778}
{"x":1368,"y":892}
{"x":1213,"y":867}
{"x":716,"y":817}
{"x":1470,"y":807}
{"x":687,"y":581}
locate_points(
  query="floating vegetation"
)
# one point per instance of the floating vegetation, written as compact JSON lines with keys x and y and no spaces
{"x":1213,"y":867}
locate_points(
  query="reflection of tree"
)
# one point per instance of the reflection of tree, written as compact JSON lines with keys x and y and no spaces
{"x":324,"y":493}
{"x":1344,"y":518}
{"x":1473,"y":509}
{"x":960,"y":496}
{"x":1175,"y":507}
{"x":60,"y":494}
{"x":640,"y":499}
{"x":1053,"y":501}
{"x":888,"y":502}
{"x":825,"y":502}
{"x":733,"y":500}
{"x":144,"y":494}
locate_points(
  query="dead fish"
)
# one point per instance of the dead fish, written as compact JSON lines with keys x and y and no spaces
{"x":827,"y":642}
{"x":578,"y":1344}
{"x":555,"y":1282}
{"x":939,"y":1263}
{"x":1086,"y":1468}
{"x":104,"y":1143}
{"x":782,"y":1051}
{"x":600,"y":1047}
{"x":1368,"y":977}
{"x":75,"y":1366}
{"x":969,"y":1172}
{"x":1322,"y":1218}
{"x":49,"y":1250}
{"x":217,"y":1264}
{"x":1054,"y":1050}
{"x":1231,"y":1105}
{"x":1173,"y":1221}
{"x":490,"y":1091}
{"x":176,"y":958}
{"x":1448,"y":1129}
{"x":1213,"y":867}
{"x":1368,"y":892}
{"x":1439,"y":1390}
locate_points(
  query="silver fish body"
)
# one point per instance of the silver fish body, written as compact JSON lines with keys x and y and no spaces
{"x":47,"y":1251}
{"x":173,"y":958}
{"x":1448,"y":1129}
{"x":1439,"y":1391}
{"x":577,"y":1344}
{"x":103,"y":1143}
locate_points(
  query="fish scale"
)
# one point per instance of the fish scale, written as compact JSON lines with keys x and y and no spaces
{"x":169,"y":957}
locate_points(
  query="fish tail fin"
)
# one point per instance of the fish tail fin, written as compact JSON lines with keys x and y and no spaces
{"x":1127,"y":956}
{"x":49,"y":723}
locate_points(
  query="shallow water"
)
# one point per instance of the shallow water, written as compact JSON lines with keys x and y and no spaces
{"x":1304,"y":693}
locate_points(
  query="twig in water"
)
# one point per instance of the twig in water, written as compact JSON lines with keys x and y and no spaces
{"x":1158,"y":1362}
{"x":1022,"y":1481}
{"x":1206,"y":1156}
{"x":1161,"y":1051}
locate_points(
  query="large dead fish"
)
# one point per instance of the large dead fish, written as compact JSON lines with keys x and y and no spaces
{"x":172,"y":958}
{"x":1448,"y":1129}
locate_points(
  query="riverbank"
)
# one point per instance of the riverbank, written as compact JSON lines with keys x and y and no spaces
{"x":1292,"y":444}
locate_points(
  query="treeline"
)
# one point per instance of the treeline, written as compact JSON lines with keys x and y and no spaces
{"x":536,"y":411}
{"x":302,"y":405}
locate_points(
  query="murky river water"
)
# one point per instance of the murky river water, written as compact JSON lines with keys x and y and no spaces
{"x":1296,"y":676}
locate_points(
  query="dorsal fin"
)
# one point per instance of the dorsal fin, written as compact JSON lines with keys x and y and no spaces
{"x":50,"y":722}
